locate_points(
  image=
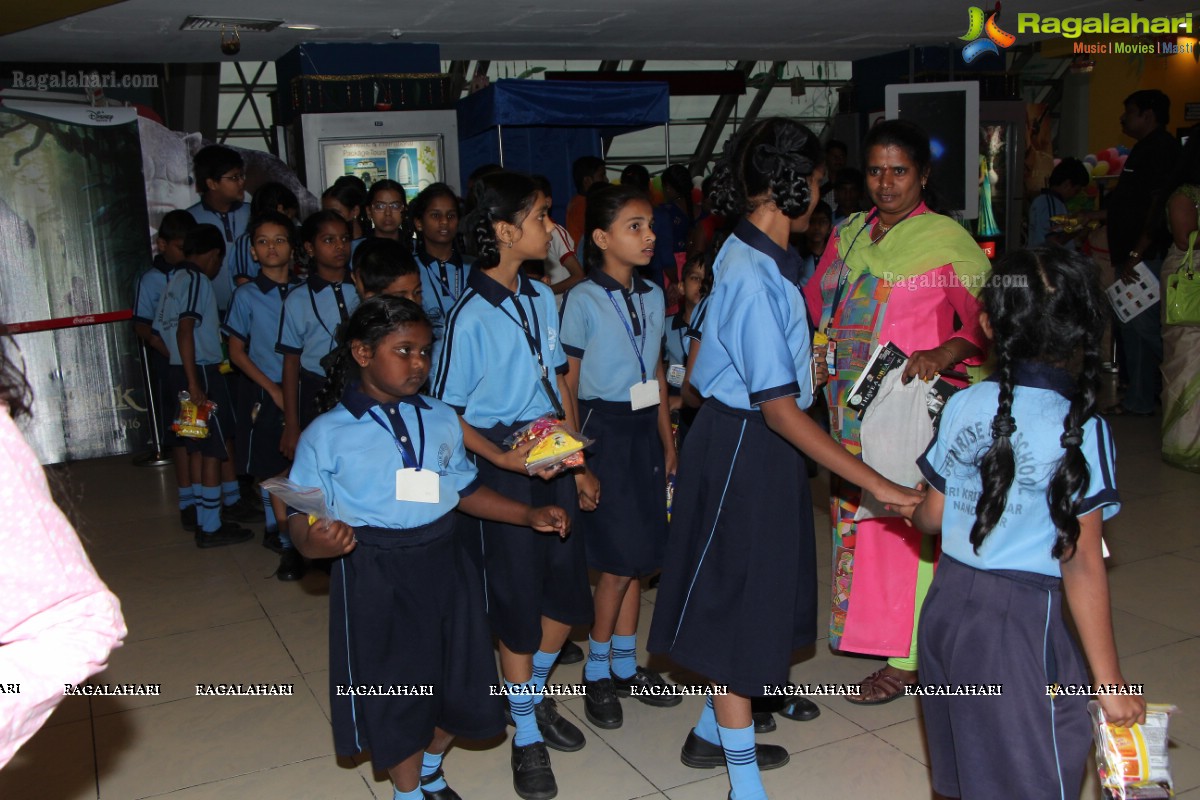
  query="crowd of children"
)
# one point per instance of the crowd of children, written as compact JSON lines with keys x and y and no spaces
{"x":371,"y":357}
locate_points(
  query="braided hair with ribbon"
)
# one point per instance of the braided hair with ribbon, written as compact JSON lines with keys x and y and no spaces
{"x":1043,"y":305}
{"x":770,"y":161}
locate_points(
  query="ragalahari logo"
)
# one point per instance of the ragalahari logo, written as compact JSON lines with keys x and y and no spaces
{"x":977,"y":27}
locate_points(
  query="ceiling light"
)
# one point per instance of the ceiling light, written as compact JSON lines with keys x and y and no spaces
{"x":201,"y":23}
{"x":296,"y":26}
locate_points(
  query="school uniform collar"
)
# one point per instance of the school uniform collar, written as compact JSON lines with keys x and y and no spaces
{"x":159,"y":263}
{"x":317,"y":284}
{"x":606,"y":281}
{"x":266,"y":285}
{"x":493,"y":291}
{"x":678,"y":322}
{"x":1040,"y":375}
{"x":188,"y":265}
{"x":232,"y":207}
{"x":428,"y":260}
{"x":787,"y":259}
{"x":358,"y":403}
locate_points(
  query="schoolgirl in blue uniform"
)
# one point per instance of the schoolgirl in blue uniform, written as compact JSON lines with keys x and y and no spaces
{"x":695,"y":280}
{"x":612,"y":329}
{"x":406,"y":607}
{"x":501,"y":365}
{"x":311,"y":316}
{"x":252,"y":325}
{"x":435,"y":214}
{"x":738,"y":591}
{"x":1021,"y":476}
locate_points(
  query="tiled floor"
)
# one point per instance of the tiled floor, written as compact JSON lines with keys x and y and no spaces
{"x":212,"y":616}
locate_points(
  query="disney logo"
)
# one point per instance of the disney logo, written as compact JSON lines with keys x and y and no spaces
{"x":100,"y":116}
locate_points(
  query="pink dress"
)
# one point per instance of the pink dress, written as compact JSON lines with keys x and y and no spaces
{"x":875,"y":561}
{"x":58,"y":621}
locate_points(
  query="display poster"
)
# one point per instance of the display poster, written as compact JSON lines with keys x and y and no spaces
{"x":413,"y":163}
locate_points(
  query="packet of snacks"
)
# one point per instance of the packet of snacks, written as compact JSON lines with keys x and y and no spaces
{"x":556,"y":444}
{"x":1132,"y":761}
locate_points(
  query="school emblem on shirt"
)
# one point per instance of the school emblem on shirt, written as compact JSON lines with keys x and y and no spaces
{"x":552,"y":337}
{"x":444,"y":453}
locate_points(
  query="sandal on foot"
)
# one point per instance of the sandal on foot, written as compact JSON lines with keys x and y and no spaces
{"x":890,"y":686}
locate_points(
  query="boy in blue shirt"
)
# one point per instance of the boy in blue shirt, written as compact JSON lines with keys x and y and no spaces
{"x":221,"y":182}
{"x":147,"y":296}
{"x":188,"y":323}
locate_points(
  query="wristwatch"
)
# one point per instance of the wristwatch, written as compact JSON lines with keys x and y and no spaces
{"x":1135,"y":254}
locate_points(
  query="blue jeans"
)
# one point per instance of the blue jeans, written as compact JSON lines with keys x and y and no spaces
{"x":1141,"y":338}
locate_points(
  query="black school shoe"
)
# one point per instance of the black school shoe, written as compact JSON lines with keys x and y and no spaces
{"x":571,"y":653}
{"x":228,"y":533}
{"x":244,"y":510}
{"x":291,"y":566}
{"x":651,"y":688}
{"x":699,"y":754}
{"x":445,"y":793}
{"x":533,"y":779}
{"x":601,"y":705}
{"x":801,"y":709}
{"x":187,"y":519}
{"x":558,"y":733}
{"x":272,"y":542}
{"x":764,"y":721}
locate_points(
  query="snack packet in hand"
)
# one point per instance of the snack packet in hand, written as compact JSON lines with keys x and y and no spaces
{"x":191,"y":421}
{"x":556,"y":444}
{"x":1132,"y":762}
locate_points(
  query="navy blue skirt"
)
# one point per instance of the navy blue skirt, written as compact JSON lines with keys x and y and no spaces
{"x":258,"y":435}
{"x":222,"y":422}
{"x":406,"y":611}
{"x":311,"y":385}
{"x":627,"y":533}
{"x":1001,"y":627}
{"x":738,"y":592}
{"x":526,"y":574}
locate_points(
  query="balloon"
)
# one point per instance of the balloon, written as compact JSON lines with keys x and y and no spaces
{"x":1120,"y":165}
{"x":1100,"y":169}
{"x":1057,"y":161}
{"x":1090,"y":159}
{"x":1123,"y":150}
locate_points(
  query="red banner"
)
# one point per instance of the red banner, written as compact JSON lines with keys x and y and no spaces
{"x":82,"y":321}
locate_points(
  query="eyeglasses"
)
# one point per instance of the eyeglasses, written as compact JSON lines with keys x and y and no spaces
{"x":388,"y":206}
{"x":237,"y":177}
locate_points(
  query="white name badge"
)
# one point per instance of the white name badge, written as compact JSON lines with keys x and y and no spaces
{"x":417,"y":485}
{"x":643,"y":395}
{"x":676,"y":374}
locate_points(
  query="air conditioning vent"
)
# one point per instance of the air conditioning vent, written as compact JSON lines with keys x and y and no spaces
{"x":229,"y":23}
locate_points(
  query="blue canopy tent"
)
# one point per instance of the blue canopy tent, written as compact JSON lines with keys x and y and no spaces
{"x":543,"y":126}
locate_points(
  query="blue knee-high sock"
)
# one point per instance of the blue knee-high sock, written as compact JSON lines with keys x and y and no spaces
{"x":624,"y":655}
{"x":542,"y":662}
{"x":742,"y":763}
{"x":415,"y":794}
{"x":520,"y":702}
{"x":197,"y":494}
{"x":208,"y":513}
{"x":187,"y":497}
{"x":431,"y":763}
{"x":270,"y":523}
{"x":597,"y":662}
{"x":231,"y":492}
{"x":706,"y":726}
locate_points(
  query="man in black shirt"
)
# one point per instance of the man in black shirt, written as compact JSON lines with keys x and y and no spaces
{"x":1137,"y":233}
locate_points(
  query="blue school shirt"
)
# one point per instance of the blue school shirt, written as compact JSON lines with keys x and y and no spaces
{"x":675,"y":339}
{"x":353,"y":459}
{"x":149,"y":290}
{"x":256,"y":318}
{"x":240,"y":260}
{"x":1044,"y":206}
{"x":484,"y":367}
{"x":756,"y":332}
{"x":606,"y":326}
{"x":232,"y":224}
{"x":442,"y":283}
{"x":311,"y":316}
{"x":1025,"y":534}
{"x":189,"y":294}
